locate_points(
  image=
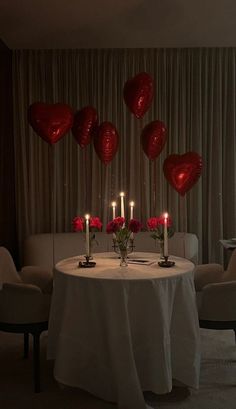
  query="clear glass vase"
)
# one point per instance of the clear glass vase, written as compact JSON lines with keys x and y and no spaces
{"x":123,"y":257}
{"x":119,"y":247}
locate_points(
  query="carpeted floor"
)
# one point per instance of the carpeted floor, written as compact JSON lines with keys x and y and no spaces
{"x":217,"y":382}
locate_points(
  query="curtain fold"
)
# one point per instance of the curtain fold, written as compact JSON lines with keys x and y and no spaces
{"x":194,"y":96}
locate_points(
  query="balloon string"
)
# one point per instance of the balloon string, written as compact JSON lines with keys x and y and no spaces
{"x":154,"y":171}
{"x":141,"y":124}
{"x":86,"y":184}
{"x":53,"y":203}
{"x":183,"y":215}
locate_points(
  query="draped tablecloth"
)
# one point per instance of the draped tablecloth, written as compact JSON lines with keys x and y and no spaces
{"x":118,"y":331}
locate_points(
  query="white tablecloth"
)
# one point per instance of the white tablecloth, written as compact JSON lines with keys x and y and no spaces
{"x":118,"y":331}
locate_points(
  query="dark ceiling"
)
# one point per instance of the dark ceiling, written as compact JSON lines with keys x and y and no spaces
{"x":45,"y":24}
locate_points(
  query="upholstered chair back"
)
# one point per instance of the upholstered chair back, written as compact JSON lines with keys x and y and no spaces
{"x":47,"y":249}
{"x":8,"y":272}
{"x":230,"y":273}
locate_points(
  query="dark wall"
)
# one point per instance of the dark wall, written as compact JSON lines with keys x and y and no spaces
{"x":7,"y":172}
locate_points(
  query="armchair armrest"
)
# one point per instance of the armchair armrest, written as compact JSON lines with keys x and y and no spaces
{"x":218,"y":302}
{"x":23,"y":303}
{"x":20,"y":288}
{"x":39,"y":276}
{"x":207,"y":273}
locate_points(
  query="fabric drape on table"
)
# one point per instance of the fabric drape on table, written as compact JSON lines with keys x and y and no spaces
{"x":116,"y":332}
{"x":194,"y":94}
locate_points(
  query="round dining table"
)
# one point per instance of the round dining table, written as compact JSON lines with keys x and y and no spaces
{"x":119,"y":331}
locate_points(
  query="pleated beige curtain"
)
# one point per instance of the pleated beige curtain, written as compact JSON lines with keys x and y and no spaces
{"x":195,"y":97}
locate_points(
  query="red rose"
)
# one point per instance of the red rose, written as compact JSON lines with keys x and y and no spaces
{"x":152,"y":223}
{"x":112,"y":227}
{"x":134,"y":226}
{"x":161,"y":220}
{"x":109,"y":228}
{"x":78,"y":223}
{"x":95,"y":222}
{"x":119,"y":221}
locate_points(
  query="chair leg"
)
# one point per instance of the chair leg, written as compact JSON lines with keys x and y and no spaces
{"x":36,"y":361}
{"x":26,"y":345}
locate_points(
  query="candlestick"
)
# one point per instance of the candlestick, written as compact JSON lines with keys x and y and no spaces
{"x":165,"y":235}
{"x":87,"y":217}
{"x":113,"y":210}
{"x":131,"y":210}
{"x":122,"y":204}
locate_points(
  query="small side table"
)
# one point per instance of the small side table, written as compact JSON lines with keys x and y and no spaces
{"x":229,"y":246}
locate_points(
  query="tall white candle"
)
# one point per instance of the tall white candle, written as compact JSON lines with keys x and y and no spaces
{"x":131,"y":210}
{"x":113,"y":210}
{"x":122,"y":204}
{"x":87,"y":217}
{"x":165,"y":235}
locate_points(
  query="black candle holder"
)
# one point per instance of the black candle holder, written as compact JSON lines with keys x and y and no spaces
{"x":87,"y":263}
{"x":166,"y":263}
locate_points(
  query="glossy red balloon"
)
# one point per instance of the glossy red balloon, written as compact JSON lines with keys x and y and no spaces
{"x":138,"y":93}
{"x":85,"y":125}
{"x":153,"y":138}
{"x":106,"y":142}
{"x":50,"y":121}
{"x":183,"y":171}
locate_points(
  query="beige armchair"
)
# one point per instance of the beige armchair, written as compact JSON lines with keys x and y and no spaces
{"x":216,"y":295}
{"x":24,"y":304}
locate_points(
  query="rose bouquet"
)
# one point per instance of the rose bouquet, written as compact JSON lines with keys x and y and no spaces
{"x":79,"y":224}
{"x":95,"y":224}
{"x":122,"y":233}
{"x":156,"y":226}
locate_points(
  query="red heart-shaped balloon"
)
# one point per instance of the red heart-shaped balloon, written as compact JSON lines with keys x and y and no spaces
{"x":85,"y":125}
{"x":153,"y":138}
{"x":138,"y":93}
{"x":106,"y":142}
{"x":183,"y":171}
{"x":50,"y":121}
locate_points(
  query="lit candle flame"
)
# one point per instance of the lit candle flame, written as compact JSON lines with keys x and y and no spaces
{"x":165,"y":235}
{"x":113,"y":209}
{"x":87,"y":217}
